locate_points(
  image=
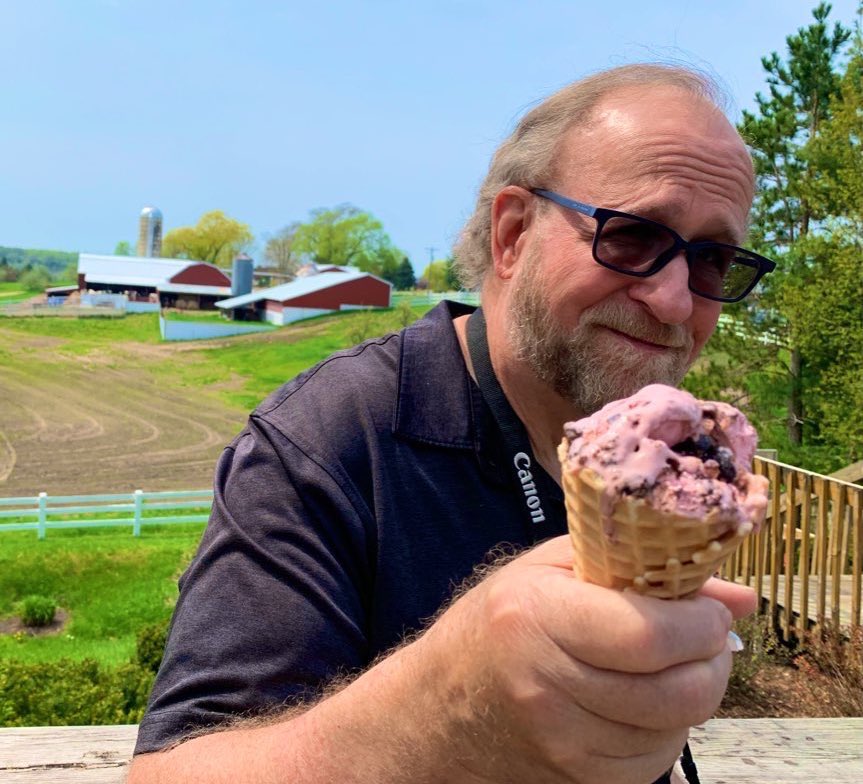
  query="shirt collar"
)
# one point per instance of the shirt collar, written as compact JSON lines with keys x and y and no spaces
{"x":434,"y":403}
{"x":438,"y":402}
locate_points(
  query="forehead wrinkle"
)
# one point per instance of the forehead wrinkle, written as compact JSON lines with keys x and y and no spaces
{"x":668,"y":155}
{"x":641,"y":173}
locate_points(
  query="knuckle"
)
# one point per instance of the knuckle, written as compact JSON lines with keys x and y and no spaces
{"x":505,"y":612}
{"x":653,"y":639}
{"x":718,"y":619}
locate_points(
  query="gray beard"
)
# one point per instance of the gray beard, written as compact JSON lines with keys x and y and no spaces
{"x":586,"y":365}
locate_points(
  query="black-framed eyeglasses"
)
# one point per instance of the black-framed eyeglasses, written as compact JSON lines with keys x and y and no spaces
{"x":642,"y":247}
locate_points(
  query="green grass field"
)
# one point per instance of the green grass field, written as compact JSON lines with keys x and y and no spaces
{"x":110,"y":583}
{"x":84,"y":335}
{"x":258,"y":364}
{"x":13,"y":292}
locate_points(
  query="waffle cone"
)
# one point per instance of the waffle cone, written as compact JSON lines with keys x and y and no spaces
{"x":640,"y":548}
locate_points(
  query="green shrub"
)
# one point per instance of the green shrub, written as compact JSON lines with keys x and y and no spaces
{"x":761,"y":646}
{"x":38,"y":610}
{"x":150,"y":645}
{"x":69,"y":692}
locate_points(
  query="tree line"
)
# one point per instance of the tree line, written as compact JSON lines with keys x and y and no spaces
{"x":343,"y":235}
{"x":35,"y":269}
{"x":792,"y":354}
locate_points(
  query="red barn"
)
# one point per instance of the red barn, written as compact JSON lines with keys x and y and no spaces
{"x":311,"y":296}
{"x":178,"y":282}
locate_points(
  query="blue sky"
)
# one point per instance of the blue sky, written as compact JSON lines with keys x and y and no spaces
{"x":267,"y":110}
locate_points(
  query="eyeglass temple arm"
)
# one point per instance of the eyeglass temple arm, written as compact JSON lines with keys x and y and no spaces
{"x":572,"y":204}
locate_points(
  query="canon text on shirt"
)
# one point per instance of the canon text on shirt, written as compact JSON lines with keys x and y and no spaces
{"x":534,"y":505}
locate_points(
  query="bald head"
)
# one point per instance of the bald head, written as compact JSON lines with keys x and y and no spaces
{"x":531,"y":156}
{"x":637,"y":140}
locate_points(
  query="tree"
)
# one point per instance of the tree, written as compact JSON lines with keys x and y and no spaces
{"x":452,"y":281}
{"x":830,"y":340}
{"x":35,"y":279}
{"x":68,"y":275}
{"x":123,"y":248}
{"x":405,"y":279}
{"x":8,"y":273}
{"x":800,"y":94}
{"x":346,"y":236}
{"x":279,"y":252}
{"x":389,"y":264}
{"x":216,"y":238}
{"x":436,"y":276}
{"x":830,"y":321}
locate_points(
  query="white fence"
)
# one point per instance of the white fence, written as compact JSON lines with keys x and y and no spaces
{"x":204,"y":330}
{"x":135,"y":306}
{"x":104,"y":299}
{"x":419,"y":298}
{"x":118,"y":302}
{"x":42,"y":513}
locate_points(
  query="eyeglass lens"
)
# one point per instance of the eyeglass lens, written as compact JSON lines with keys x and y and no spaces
{"x":634,"y":246}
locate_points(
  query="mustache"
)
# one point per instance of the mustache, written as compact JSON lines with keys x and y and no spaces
{"x":637,"y":324}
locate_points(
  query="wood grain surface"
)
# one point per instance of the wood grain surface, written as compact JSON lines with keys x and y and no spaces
{"x":727,"y":751}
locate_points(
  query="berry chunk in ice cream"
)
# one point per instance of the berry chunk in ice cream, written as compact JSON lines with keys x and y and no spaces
{"x":681,"y":455}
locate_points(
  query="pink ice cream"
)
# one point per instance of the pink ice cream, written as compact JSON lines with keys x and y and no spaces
{"x":681,"y":455}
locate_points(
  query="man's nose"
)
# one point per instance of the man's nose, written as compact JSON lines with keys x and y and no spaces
{"x":666,"y":294}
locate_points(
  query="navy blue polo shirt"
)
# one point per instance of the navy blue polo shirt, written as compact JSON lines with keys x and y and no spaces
{"x":359,"y":496}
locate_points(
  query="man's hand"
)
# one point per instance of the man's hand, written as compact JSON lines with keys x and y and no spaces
{"x":531,"y":676}
{"x":557,"y":680}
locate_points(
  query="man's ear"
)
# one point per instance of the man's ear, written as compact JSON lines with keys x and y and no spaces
{"x":512,"y":212}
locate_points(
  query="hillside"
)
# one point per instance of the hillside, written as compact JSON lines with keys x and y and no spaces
{"x":54,"y":261}
{"x":101,"y":405}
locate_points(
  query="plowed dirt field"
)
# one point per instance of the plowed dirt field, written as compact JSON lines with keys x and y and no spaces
{"x":102,"y":406}
{"x":99,"y":424}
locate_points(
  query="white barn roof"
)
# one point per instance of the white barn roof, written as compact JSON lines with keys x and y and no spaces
{"x":131,"y":270}
{"x":297,"y":288}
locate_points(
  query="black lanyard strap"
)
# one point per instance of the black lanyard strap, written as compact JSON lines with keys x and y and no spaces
{"x":542,"y":496}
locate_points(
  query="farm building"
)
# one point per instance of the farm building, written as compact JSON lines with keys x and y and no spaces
{"x":312,"y":295}
{"x":177,"y":283}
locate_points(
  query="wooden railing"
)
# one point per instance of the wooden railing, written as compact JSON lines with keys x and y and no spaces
{"x":807,"y":560}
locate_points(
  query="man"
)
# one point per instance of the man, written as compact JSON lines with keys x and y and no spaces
{"x":362,"y":493}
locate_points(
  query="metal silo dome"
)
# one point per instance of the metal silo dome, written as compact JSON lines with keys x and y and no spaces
{"x":150,"y":232}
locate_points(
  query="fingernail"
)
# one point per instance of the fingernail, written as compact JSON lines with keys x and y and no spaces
{"x":735,"y":644}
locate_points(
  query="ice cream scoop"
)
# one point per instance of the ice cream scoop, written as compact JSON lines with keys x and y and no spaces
{"x":659,"y":490}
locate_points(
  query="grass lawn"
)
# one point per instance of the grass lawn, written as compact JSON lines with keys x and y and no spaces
{"x":258,"y":363}
{"x":12,"y":292}
{"x":110,"y":583}
{"x":83,"y":335}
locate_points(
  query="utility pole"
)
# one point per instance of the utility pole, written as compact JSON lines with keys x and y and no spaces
{"x":431,"y":251}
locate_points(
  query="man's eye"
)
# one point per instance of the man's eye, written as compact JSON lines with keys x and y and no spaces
{"x":717,"y":260}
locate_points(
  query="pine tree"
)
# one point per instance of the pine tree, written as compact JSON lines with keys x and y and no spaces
{"x":405,"y":278}
{"x":788,"y":118}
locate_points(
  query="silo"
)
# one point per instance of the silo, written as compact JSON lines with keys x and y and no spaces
{"x":150,"y":232}
{"x":241,"y":275}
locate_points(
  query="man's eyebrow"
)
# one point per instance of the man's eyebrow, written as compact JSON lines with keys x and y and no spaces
{"x":718,"y":231}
